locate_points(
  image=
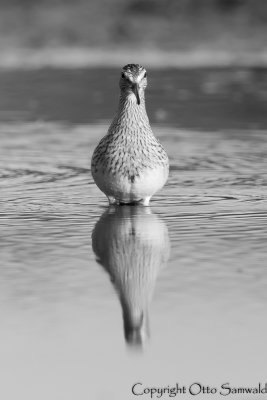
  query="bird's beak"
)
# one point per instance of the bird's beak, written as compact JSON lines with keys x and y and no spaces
{"x":136,"y":92}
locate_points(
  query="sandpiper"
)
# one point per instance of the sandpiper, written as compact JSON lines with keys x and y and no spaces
{"x":129,"y":164}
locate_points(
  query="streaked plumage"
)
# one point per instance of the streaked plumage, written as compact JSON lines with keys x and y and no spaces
{"x":129,"y":164}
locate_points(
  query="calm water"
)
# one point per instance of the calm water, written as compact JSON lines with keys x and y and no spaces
{"x":95,"y":299}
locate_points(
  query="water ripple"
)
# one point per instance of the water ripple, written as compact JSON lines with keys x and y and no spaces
{"x":216,"y":188}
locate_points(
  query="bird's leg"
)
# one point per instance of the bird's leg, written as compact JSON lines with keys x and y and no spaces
{"x":111,"y":200}
{"x":145,"y":201}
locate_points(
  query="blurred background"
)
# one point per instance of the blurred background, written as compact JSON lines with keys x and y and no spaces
{"x":172,"y":25}
{"x":61,"y":335}
{"x":227,"y":37}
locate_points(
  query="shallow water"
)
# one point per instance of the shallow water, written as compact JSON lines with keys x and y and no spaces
{"x":95,"y":299}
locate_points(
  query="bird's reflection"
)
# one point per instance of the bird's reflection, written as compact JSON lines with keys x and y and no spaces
{"x":132,"y":244}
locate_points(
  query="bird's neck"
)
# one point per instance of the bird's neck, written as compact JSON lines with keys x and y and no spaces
{"x":130,"y":114}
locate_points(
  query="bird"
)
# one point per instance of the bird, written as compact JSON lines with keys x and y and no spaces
{"x":129,"y":164}
{"x":132,"y":245}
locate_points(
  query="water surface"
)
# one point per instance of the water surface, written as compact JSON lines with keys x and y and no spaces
{"x":95,"y":299}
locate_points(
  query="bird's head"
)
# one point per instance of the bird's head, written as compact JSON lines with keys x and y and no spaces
{"x":133,"y":80}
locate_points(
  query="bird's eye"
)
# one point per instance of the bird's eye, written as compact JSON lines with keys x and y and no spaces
{"x":122,"y":75}
{"x":145,"y":75}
